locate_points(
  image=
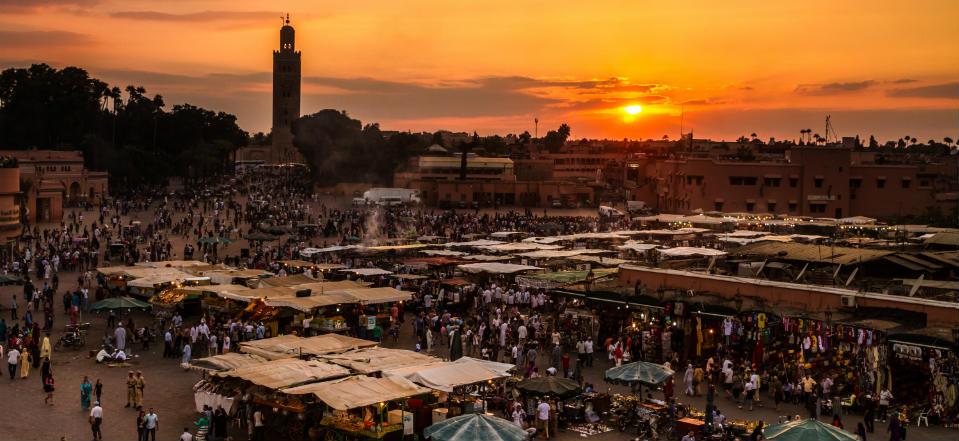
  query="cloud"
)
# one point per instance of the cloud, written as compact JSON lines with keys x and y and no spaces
{"x":833,"y":88}
{"x":904,"y":81}
{"x":42,"y":39}
{"x":946,"y":90}
{"x":704,"y":102}
{"x":196,"y":17}
{"x":377,"y":99}
{"x":33,"y":6}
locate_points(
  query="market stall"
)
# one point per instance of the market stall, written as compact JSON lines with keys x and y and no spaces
{"x":287,"y":346}
{"x":361,"y":405}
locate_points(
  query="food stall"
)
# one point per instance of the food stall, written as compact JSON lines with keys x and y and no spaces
{"x":361,"y":407}
{"x":463,"y":386}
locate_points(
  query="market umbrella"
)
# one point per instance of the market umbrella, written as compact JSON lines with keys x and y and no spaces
{"x":119,"y":303}
{"x":807,"y":430}
{"x":475,"y":427}
{"x":214,"y":240}
{"x":561,"y":387}
{"x":642,"y":372}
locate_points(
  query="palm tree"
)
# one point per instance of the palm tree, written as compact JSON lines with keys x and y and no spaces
{"x":947,"y":140}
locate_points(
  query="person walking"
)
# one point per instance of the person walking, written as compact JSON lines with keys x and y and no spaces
{"x":86,"y":390}
{"x":96,"y":419}
{"x":13,"y":358}
{"x":98,"y":389}
{"x":151,"y":425}
{"x":48,"y":387}
{"x":688,"y":379}
{"x":542,"y":418}
{"x":141,"y":425}
{"x":24,"y":364}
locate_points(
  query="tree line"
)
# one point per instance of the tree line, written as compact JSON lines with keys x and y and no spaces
{"x":125,"y":132}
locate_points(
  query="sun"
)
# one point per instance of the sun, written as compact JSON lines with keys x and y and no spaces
{"x":634,"y":109}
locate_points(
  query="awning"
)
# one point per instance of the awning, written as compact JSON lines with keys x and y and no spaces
{"x":496,"y":268}
{"x":368,"y":361}
{"x":286,"y":372}
{"x":359,"y":391}
{"x":371,"y":296}
{"x":445,"y":376}
{"x":230,"y":360}
{"x":286,"y":346}
{"x":367,"y":271}
{"x":308,"y":303}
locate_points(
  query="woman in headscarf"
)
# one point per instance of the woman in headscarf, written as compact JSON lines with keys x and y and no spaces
{"x":45,"y":349}
{"x":86,"y":390}
{"x":25,"y":364}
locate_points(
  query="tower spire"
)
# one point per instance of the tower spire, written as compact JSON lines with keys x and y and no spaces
{"x":287,"y":18}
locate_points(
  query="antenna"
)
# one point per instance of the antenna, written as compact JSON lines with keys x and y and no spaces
{"x":830,"y":130}
{"x":535,"y":127}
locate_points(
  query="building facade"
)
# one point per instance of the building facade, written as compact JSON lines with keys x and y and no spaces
{"x":489,"y":182}
{"x":50,"y":180}
{"x":10,"y":226}
{"x":806,"y":181}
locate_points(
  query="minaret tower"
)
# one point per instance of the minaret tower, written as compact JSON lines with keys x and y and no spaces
{"x":286,"y":93}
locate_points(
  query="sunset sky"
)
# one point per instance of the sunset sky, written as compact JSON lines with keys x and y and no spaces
{"x":889,"y":68}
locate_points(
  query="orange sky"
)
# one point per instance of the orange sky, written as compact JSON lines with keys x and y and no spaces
{"x":889,"y":68}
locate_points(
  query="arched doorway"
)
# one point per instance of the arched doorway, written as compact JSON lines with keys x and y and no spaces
{"x":75,"y":193}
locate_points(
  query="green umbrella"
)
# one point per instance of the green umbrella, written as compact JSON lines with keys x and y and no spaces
{"x":807,"y":430}
{"x":214,"y":240}
{"x":650,"y":374}
{"x":561,"y":387}
{"x":119,"y":303}
{"x":475,"y":427}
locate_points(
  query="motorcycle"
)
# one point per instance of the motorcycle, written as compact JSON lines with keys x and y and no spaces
{"x":75,"y":337}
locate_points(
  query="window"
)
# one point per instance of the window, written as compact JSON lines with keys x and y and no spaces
{"x":750,"y":206}
{"x":817,"y":208}
{"x":906,"y":183}
{"x":694,"y":180}
{"x":771,"y":207}
{"x":793,"y":207}
{"x":793,"y":182}
{"x":742,"y":180}
{"x":855,"y":182}
{"x":817,"y":182}
{"x":924,"y":183}
{"x":880,"y":183}
{"x":771,"y":182}
{"x":719,"y":206}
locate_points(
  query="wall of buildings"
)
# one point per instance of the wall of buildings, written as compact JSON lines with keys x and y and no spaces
{"x":9,"y":206}
{"x":812,"y":181}
{"x":52,"y":180}
{"x":785,"y":295}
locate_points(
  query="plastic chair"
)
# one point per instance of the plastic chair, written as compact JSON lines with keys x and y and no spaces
{"x":923,"y":416}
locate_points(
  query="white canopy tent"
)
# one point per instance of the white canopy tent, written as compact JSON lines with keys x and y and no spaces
{"x":496,"y":268}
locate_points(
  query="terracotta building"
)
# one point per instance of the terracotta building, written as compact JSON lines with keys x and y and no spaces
{"x":51,"y":180}
{"x":489,"y":182}
{"x":9,"y":205}
{"x":809,"y":181}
